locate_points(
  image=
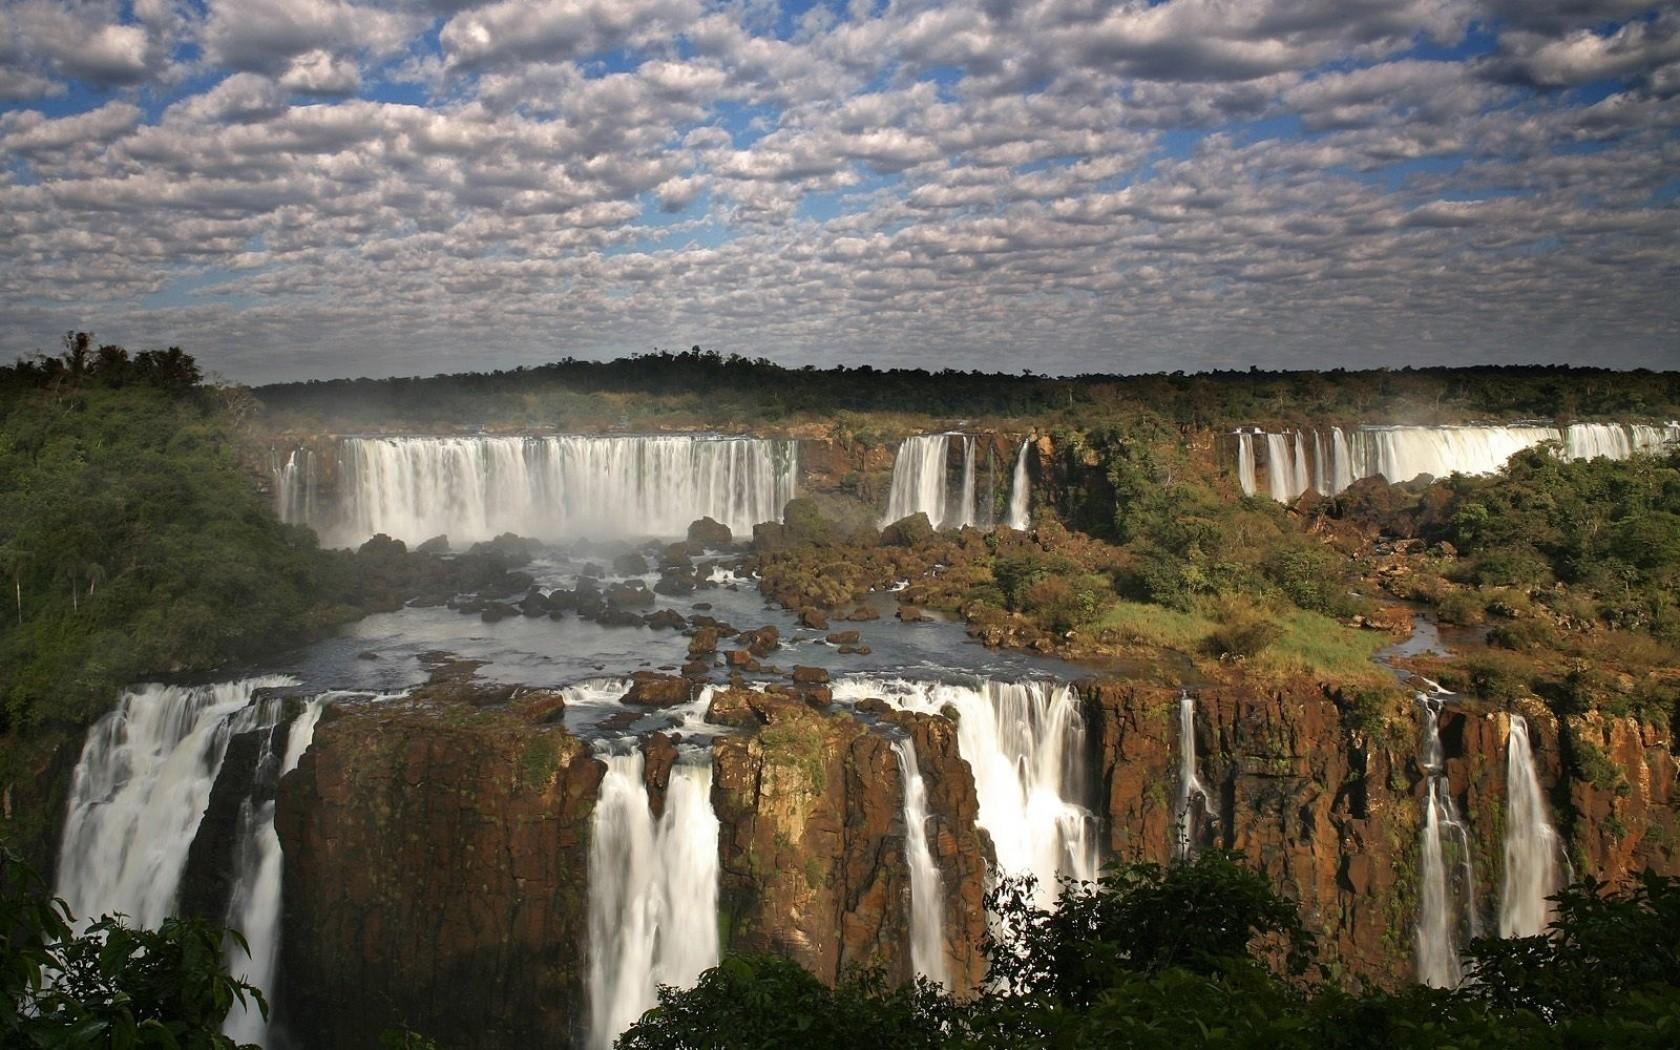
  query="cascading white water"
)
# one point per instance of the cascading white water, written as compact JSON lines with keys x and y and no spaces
{"x":1025,"y":742}
{"x":473,"y":488}
{"x":139,"y":792}
{"x":1341,"y":462}
{"x":920,"y":482}
{"x":254,"y":909}
{"x":1245,"y":462}
{"x":1436,"y":932}
{"x":653,"y":892}
{"x":1020,"y":491}
{"x":1401,"y":453}
{"x":927,"y":893}
{"x":1532,"y":846}
{"x":295,"y":486}
{"x":964,"y":513}
{"x":1279,"y":469}
{"x":1299,"y":480}
{"x":1193,"y":795}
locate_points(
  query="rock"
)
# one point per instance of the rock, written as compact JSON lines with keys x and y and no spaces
{"x":434,"y":546}
{"x":741,"y":660}
{"x":723,"y":630}
{"x":630,"y":564}
{"x":494,"y":612}
{"x":367,"y":654}
{"x":630,"y":594}
{"x":535,"y":603}
{"x":705,"y":641}
{"x":675,"y":584}
{"x":842,"y":638}
{"x":652,"y":689}
{"x":809,"y":675}
{"x":612,"y":616}
{"x":542,"y":707}
{"x":401,"y":833}
{"x":659,"y":754}
{"x":818,"y":696}
{"x":814,"y":619}
{"x":731,"y":707}
{"x":863,"y":614}
{"x":676,"y":557}
{"x":873,"y":705}
{"x":804,"y":521}
{"x":762,"y":641}
{"x":710,"y":534}
{"x":697,"y":669}
{"x":666,"y":619}
{"x":770,"y":536}
{"x":907,"y":531}
{"x":910,"y":614}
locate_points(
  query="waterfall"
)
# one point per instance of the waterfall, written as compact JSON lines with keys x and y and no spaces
{"x":255,"y":907}
{"x":653,"y":892}
{"x":1401,"y":453}
{"x":1439,"y":889}
{"x":1532,"y":847}
{"x":1020,"y":491}
{"x":1278,"y":468}
{"x":1193,"y":796}
{"x":1245,"y":462}
{"x":1341,"y":462}
{"x":474,"y":488}
{"x":1025,"y":742}
{"x":1299,"y":482}
{"x":139,"y":792}
{"x":920,"y":482}
{"x":965,"y":500}
{"x":927,"y":894}
{"x":294,"y":486}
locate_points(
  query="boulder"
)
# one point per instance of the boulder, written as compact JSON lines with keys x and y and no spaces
{"x":666,"y":619}
{"x":630,"y":564}
{"x":863,"y":614}
{"x":907,"y":531}
{"x":652,"y":689}
{"x":731,"y":707}
{"x":435,"y":545}
{"x":809,"y":675}
{"x":710,"y":534}
{"x":741,"y":660}
{"x":842,"y":638}
{"x":814,"y":619}
{"x":910,"y":614}
{"x":705,"y":641}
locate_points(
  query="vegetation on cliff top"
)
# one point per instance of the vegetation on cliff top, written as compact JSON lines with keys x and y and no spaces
{"x":1206,"y":953}
{"x":706,"y":388}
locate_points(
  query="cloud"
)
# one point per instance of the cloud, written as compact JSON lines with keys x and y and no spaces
{"x":329,"y":186}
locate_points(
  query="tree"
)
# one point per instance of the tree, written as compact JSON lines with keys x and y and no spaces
{"x":112,"y":986}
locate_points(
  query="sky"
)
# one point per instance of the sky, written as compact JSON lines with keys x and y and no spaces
{"x":294,"y":189}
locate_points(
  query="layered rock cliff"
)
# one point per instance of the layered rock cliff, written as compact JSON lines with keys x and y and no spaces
{"x":1328,"y":804}
{"x":435,"y":868}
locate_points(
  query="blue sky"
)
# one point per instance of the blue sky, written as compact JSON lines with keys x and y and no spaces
{"x":300,"y":188}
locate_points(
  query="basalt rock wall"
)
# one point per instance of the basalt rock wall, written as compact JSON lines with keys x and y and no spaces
{"x":435,"y":870}
{"x":1331,"y":812}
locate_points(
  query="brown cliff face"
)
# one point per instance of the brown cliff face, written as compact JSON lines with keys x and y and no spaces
{"x":1332,"y":814}
{"x":812,"y":842}
{"x":435,"y":864}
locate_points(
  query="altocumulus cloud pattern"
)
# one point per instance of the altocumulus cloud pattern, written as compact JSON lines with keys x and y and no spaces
{"x":324,"y":187}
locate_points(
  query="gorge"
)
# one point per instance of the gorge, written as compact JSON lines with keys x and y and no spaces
{"x":503,"y":819}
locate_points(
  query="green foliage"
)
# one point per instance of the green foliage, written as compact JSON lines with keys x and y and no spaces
{"x":762,"y":1002}
{"x":113,"y":986}
{"x":133,"y":543}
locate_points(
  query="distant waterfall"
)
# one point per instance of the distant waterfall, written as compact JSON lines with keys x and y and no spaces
{"x":653,"y":892}
{"x":255,"y":908}
{"x":139,"y":792}
{"x":1532,"y":847}
{"x":1025,"y":742}
{"x":1020,"y":491}
{"x":927,"y":894}
{"x":920,"y":482}
{"x":295,"y":487}
{"x":1440,"y":887}
{"x":1193,"y":797}
{"x":474,"y":488}
{"x":1401,"y":453}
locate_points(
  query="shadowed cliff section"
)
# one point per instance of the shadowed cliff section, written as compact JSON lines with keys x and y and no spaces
{"x":435,"y":877}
